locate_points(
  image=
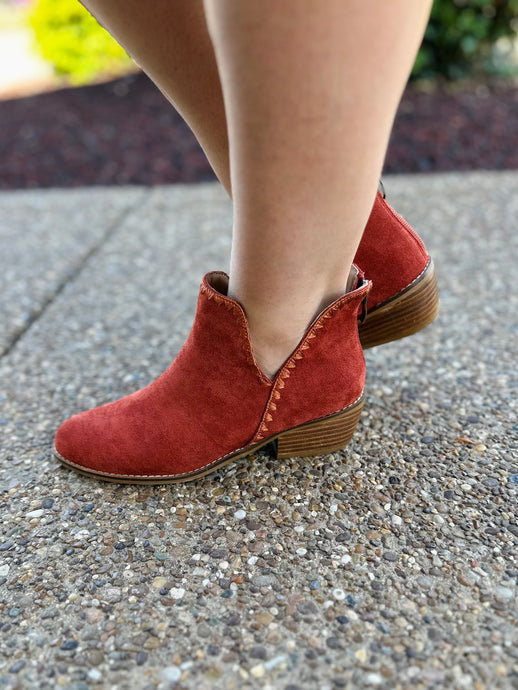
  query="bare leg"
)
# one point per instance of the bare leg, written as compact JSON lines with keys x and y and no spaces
{"x":310,"y":90}
{"x":170,"y":40}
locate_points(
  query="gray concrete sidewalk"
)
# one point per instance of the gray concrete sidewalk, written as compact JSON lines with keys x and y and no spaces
{"x":389,"y":565}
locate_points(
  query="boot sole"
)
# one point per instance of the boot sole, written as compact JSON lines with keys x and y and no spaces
{"x":411,"y":310}
{"x":323,"y":435}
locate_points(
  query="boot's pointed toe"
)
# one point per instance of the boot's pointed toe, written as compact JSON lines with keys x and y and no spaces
{"x":65,"y":442}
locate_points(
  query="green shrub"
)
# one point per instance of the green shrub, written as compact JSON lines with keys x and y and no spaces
{"x":70,"y":39}
{"x":459,"y":39}
{"x":461,"y":35}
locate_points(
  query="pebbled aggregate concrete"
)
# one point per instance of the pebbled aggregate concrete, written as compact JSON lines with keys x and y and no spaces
{"x":389,"y":565}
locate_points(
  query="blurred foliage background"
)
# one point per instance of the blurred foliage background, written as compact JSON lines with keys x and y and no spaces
{"x":469,"y":37}
{"x":75,"y":44}
{"x":464,"y":38}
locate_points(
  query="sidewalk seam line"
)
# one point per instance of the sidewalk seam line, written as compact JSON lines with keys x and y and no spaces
{"x":71,"y":275}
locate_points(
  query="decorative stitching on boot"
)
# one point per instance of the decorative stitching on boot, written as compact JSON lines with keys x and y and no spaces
{"x":244,"y":336}
{"x":291,"y":363}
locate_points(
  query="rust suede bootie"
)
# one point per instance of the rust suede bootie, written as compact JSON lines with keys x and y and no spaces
{"x":214,"y":404}
{"x":404,"y":298}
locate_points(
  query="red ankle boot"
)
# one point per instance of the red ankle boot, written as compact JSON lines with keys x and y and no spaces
{"x":214,"y":405}
{"x":404,"y":297}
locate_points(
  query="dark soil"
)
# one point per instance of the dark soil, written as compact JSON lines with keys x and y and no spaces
{"x":125,"y":132}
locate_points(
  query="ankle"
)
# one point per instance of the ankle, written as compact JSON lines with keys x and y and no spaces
{"x":275,"y":333}
{"x":278,"y":319}
{"x":271,"y":352}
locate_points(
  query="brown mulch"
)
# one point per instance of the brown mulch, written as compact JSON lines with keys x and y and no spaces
{"x":125,"y":132}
